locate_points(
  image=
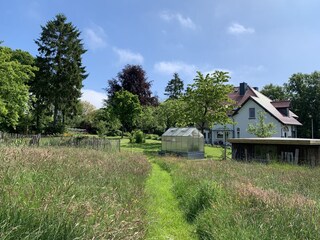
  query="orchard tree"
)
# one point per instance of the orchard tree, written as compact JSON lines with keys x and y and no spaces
{"x":172,"y":113}
{"x":126,"y":107}
{"x":133,"y":79}
{"x":174,"y":89}
{"x":58,"y":83}
{"x":274,"y":92}
{"x":261,"y":128}
{"x":207,"y":100}
{"x":14,"y":89}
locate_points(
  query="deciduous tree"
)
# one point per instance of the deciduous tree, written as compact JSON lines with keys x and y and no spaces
{"x":304,"y":91}
{"x":207,"y":100}
{"x":274,"y":92}
{"x":126,"y":107}
{"x":133,"y":79}
{"x":14,"y":89}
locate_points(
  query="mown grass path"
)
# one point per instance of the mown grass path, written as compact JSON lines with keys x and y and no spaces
{"x":165,"y":220}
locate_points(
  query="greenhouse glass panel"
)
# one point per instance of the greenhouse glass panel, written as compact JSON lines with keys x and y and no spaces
{"x":183,"y":141}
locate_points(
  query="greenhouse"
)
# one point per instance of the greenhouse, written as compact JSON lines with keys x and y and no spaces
{"x":187,"y":142}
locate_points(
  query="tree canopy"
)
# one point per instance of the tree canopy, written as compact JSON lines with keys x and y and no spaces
{"x":15,"y":74}
{"x":175,"y":88}
{"x":274,"y":92}
{"x":207,"y":100}
{"x":304,"y":92}
{"x":126,"y":107}
{"x":58,"y":84}
{"x":133,"y":79}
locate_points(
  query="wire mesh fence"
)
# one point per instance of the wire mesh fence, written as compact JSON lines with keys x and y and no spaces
{"x":97,"y":143}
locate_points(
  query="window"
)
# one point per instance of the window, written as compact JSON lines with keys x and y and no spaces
{"x":252,"y":113}
{"x":219,"y":134}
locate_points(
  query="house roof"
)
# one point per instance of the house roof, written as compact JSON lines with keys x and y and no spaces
{"x":281,"y":104}
{"x":183,"y":132}
{"x":267,"y":104}
{"x":278,"y":141}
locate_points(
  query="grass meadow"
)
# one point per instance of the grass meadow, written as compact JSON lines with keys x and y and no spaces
{"x":73,"y":193}
{"x":232,"y":200}
{"x":68,"y":193}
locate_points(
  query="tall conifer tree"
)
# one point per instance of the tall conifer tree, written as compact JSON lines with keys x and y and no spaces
{"x":174,"y":89}
{"x":59,"y":81}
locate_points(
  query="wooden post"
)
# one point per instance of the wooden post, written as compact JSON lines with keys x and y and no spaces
{"x":296,"y":156}
{"x":246,"y":154}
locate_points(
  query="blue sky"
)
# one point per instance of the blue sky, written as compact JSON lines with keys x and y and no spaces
{"x":259,"y":42}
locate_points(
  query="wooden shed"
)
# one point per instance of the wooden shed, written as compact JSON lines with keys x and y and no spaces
{"x":186,"y":142}
{"x":292,"y":150}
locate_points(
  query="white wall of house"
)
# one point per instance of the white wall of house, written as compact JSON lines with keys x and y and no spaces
{"x":241,"y":119}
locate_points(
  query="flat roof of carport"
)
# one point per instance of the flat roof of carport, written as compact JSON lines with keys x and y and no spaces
{"x":277,"y":141}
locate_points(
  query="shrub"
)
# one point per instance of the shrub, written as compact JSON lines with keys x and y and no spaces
{"x":137,"y":137}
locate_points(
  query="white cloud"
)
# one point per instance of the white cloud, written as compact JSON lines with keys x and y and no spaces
{"x":93,"y":97}
{"x":175,"y":66}
{"x":185,"y":22}
{"x":127,"y":56}
{"x":95,"y":37}
{"x":237,"y":29}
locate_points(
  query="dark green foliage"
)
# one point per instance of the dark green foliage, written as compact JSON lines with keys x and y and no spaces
{"x":57,"y":86}
{"x":304,"y":90}
{"x":275,"y":92}
{"x":137,"y":137}
{"x":174,"y":89}
{"x":126,"y":107}
{"x":134,"y":80}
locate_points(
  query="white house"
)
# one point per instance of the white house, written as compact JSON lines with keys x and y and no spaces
{"x":249,"y":101}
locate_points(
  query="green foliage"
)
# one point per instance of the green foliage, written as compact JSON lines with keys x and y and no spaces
{"x":172,"y":113}
{"x":207,"y":100}
{"x":275,"y":92}
{"x":261,"y":128}
{"x":148,"y":121}
{"x":304,"y":90}
{"x":126,"y":107}
{"x":137,"y":137}
{"x":57,"y":86}
{"x":174,"y":89}
{"x":14,"y":90}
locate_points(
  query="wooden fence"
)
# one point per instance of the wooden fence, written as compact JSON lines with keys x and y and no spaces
{"x":104,"y":144}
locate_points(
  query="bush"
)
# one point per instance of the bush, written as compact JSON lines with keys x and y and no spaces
{"x":137,"y":137}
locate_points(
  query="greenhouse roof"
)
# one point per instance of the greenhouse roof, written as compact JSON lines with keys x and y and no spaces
{"x":183,"y":132}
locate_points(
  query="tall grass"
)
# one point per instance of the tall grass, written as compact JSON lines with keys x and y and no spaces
{"x":65,"y":193}
{"x":232,"y":200}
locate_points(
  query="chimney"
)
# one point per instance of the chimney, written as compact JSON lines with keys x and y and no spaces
{"x":256,"y":88}
{"x":243,"y":88}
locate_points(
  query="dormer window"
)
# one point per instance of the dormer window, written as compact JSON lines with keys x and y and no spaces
{"x":252,"y":113}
